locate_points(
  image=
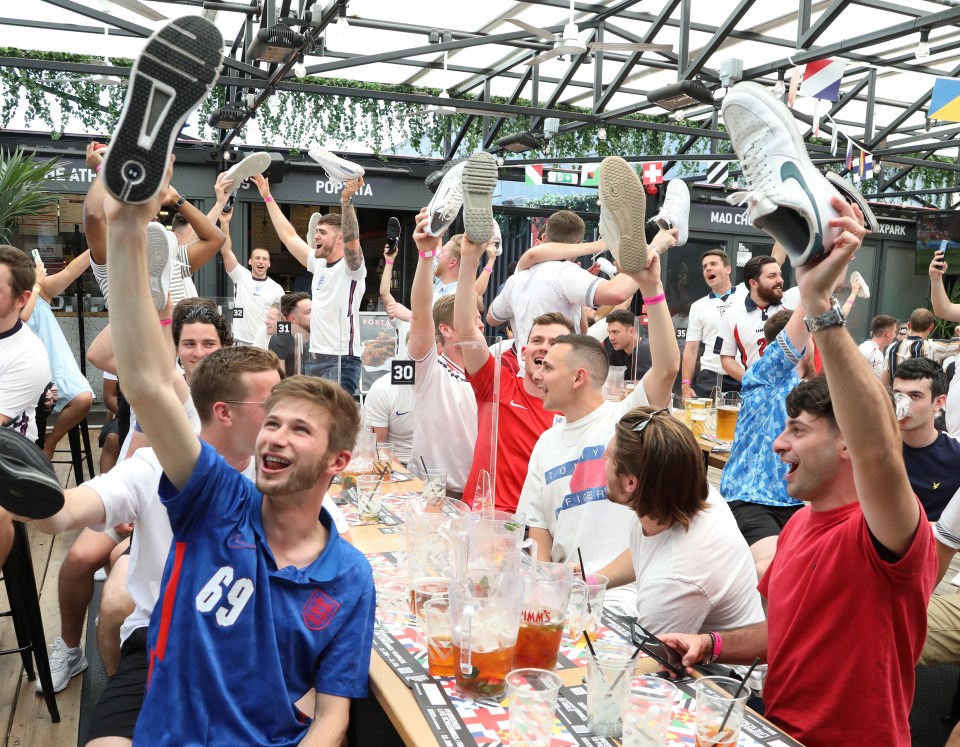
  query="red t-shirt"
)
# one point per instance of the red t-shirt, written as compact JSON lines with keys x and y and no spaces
{"x":520,"y":422}
{"x":845,"y":630}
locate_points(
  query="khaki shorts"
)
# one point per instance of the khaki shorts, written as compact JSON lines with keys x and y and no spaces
{"x":943,"y":631}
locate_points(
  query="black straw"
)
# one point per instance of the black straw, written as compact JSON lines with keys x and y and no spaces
{"x":736,"y":695}
{"x":424,"y":467}
{"x":583,"y":572}
{"x":620,"y":676}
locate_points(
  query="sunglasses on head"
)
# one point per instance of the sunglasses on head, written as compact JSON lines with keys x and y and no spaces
{"x":638,"y":428}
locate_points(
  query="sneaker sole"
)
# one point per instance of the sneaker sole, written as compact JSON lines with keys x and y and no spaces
{"x":28,"y":485}
{"x":158,"y":257}
{"x":479,"y":181}
{"x":171,"y":76}
{"x":254,"y":164}
{"x":852,"y":195}
{"x":336,"y":168}
{"x":623,"y":198}
{"x":786,"y":119}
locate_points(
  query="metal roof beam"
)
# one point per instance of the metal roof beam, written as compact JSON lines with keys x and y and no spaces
{"x":495,"y":130}
{"x":718,"y":38}
{"x":822,"y":24}
{"x":907,"y":113}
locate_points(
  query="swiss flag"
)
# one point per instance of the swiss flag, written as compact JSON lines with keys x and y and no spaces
{"x":653,"y":172}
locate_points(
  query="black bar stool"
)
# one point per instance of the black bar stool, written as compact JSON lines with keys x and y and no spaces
{"x":18,"y":576}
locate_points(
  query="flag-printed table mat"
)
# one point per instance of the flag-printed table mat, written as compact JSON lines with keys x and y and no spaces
{"x":393,"y":507}
{"x":463,"y":722}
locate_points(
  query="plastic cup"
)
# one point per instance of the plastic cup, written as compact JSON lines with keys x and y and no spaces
{"x":393,"y":597}
{"x":584,"y":613}
{"x":425,"y":589}
{"x":533,"y":702}
{"x":369,"y":497}
{"x":647,"y":711}
{"x":435,"y":484}
{"x":715,"y":698}
{"x":439,"y":637}
{"x":383,"y":459}
{"x":608,"y":681}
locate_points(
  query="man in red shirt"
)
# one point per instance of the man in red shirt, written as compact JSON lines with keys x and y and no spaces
{"x":857,"y":566}
{"x":521,"y":417}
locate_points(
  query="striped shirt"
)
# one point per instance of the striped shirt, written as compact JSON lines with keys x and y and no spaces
{"x":914,"y":346}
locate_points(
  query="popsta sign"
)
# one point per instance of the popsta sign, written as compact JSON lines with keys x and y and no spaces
{"x":323,"y":186}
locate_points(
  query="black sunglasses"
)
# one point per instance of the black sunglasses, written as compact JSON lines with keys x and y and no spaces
{"x":638,"y":428}
{"x":657,"y":649}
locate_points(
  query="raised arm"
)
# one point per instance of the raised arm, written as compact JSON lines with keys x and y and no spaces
{"x":664,"y":353}
{"x":285,"y":230}
{"x":40,"y":273}
{"x":861,"y":405}
{"x":209,"y":238}
{"x":351,"y":229}
{"x":221,"y":189}
{"x":554,"y":250}
{"x":483,"y":280}
{"x":230,"y":262}
{"x":942,"y":306}
{"x":852,"y":298}
{"x":395,"y":309}
{"x":143,"y":362}
{"x":472,"y":344}
{"x":94,"y":225}
{"x":54,"y":285}
{"x":421,"y":294}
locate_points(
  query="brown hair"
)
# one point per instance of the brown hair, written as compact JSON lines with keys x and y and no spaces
{"x":724,"y":257}
{"x":753,"y":269}
{"x":220,"y":376}
{"x":775,"y":324}
{"x":343,"y":417}
{"x":330,"y":219}
{"x":622,"y":316}
{"x":812,"y":396}
{"x":200,"y":311}
{"x":443,"y":313}
{"x":456,"y":242}
{"x":179,"y":222}
{"x":881,"y":322}
{"x":259,"y":249}
{"x":589,"y":355}
{"x":552,"y":317}
{"x":289,"y":301}
{"x":23,"y":271}
{"x":566,"y":227}
{"x":666,"y":460}
{"x":921,"y":320}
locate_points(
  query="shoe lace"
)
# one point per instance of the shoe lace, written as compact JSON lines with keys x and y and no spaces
{"x":758,"y":173}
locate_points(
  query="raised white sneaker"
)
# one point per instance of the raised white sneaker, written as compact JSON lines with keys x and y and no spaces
{"x":64,"y":664}
{"x":338,"y":169}
{"x":856,"y":277}
{"x":675,"y":211}
{"x":311,"y":235}
{"x":787,"y":197}
{"x":479,"y":180}
{"x":852,"y":195}
{"x":255,"y":163}
{"x":496,"y":241}
{"x":446,"y":203}
{"x":158,"y":262}
{"x":623,"y":203}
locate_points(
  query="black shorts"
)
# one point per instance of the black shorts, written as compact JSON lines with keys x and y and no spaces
{"x":119,"y":705}
{"x":111,"y":426}
{"x":757,"y":521}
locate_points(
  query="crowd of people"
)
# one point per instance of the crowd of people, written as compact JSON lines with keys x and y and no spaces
{"x":236,"y":611}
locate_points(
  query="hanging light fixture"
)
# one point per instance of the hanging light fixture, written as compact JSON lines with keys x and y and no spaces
{"x":781,"y":87}
{"x":923,"y":48}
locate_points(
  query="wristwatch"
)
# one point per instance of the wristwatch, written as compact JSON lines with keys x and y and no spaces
{"x":179,"y":204}
{"x":832,"y":318}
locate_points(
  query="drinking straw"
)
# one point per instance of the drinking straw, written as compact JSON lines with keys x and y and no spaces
{"x":620,"y":676}
{"x":583,"y":572}
{"x":424,"y":467}
{"x":382,"y":473}
{"x":736,"y":695}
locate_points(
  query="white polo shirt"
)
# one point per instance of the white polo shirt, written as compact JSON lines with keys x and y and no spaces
{"x":742,"y":334}
{"x":255,"y":297}
{"x":337,"y":292}
{"x":705,"y":324}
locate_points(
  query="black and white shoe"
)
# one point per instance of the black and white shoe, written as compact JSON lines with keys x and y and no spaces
{"x":852,"y":195}
{"x":28,"y":484}
{"x":169,"y":79}
{"x":434,"y":178}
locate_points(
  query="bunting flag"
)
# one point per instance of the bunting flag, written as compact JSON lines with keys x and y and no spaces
{"x":833,"y":139}
{"x":863,"y":167}
{"x":945,"y":100}
{"x":795,"y":77}
{"x":821,"y":79}
{"x":533,"y":175}
{"x":590,"y":175}
{"x":849,"y":160}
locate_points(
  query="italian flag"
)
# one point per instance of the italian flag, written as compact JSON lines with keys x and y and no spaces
{"x":533,"y":175}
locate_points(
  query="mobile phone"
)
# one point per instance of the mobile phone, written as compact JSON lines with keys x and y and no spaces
{"x":658,"y":650}
{"x":36,"y":256}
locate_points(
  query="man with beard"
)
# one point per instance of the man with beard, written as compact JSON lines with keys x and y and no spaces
{"x":742,"y":335}
{"x":522,"y":417}
{"x":705,"y":325}
{"x":262,"y":600}
{"x":296,"y":309}
{"x":339,"y":281}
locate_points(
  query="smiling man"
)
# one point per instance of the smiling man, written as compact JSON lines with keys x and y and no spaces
{"x":521,"y":418}
{"x":262,"y":599}
{"x":253,"y":292}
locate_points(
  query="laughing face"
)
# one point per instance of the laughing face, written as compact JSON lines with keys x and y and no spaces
{"x":716,"y":273}
{"x":542,"y":338}
{"x":812,"y":448}
{"x":556,"y":377}
{"x":292,"y":448}
{"x":259,"y":263}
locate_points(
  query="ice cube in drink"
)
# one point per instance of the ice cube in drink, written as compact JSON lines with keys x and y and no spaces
{"x":488,"y":676}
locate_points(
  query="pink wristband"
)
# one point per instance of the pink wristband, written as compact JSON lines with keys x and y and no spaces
{"x":655,"y":299}
{"x":685,"y":381}
{"x":427,"y":255}
{"x":166,"y":322}
{"x":268,"y":198}
{"x":488,"y":269}
{"x":388,"y":261}
{"x":98,"y":168}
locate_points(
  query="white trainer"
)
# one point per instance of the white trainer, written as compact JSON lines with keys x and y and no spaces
{"x":338,"y":169}
{"x":852,"y":195}
{"x":623,"y":203}
{"x":496,"y":241}
{"x":311,"y":235}
{"x":159,"y":268}
{"x":856,"y":277}
{"x":787,"y":197}
{"x":446,"y":203}
{"x":255,"y":163}
{"x":675,"y":211}
{"x":479,"y":181}
{"x":64,"y":664}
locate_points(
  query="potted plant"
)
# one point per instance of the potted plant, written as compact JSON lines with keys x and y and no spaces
{"x":23,"y":190}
